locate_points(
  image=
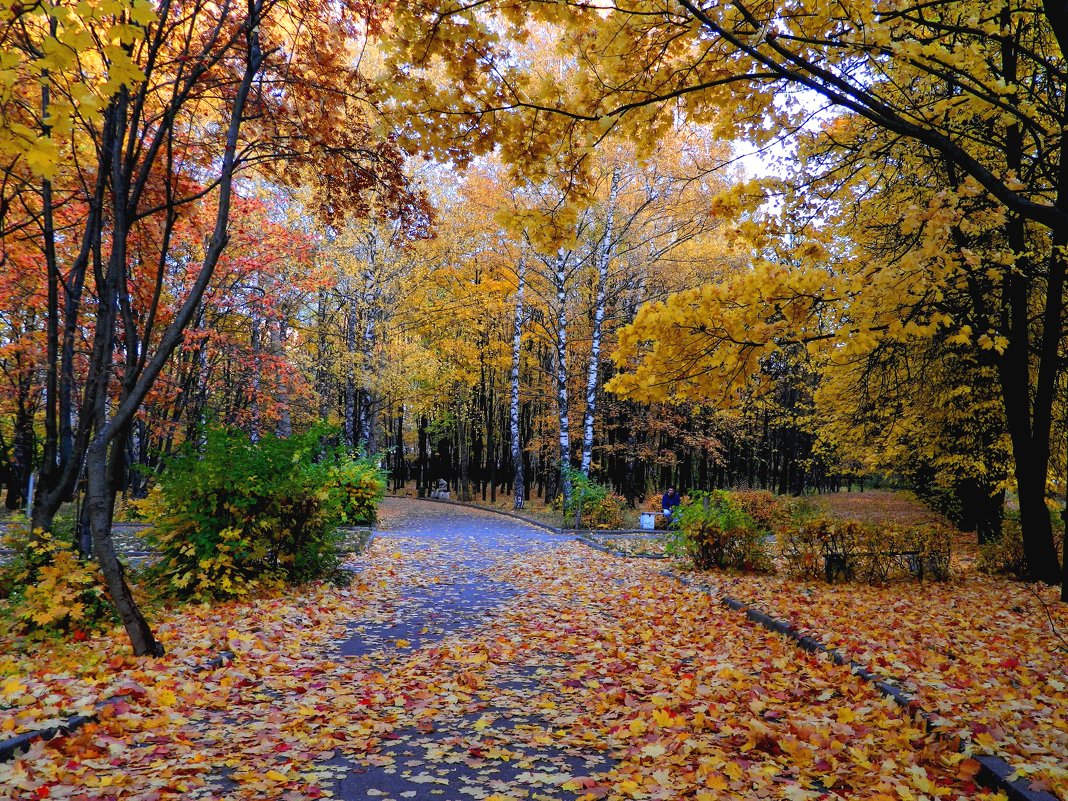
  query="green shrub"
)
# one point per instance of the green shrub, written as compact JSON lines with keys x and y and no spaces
{"x":238,"y":515}
{"x":600,"y":507}
{"x":360,"y":485}
{"x":715,"y":531}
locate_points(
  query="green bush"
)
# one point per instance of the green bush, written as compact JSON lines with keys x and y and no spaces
{"x":238,"y":515}
{"x":360,"y":485}
{"x":601,"y":508}
{"x":715,"y":531}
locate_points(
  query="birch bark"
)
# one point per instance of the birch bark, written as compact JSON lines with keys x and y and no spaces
{"x":372,"y":295}
{"x":605,"y":252}
{"x":517,"y":341}
{"x":560,"y":285}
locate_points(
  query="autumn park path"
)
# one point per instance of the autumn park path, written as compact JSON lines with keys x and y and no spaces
{"x":545,"y":671}
{"x":472,"y":657}
{"x":501,"y":738}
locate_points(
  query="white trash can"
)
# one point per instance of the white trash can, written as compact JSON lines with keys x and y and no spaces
{"x":647,"y":521}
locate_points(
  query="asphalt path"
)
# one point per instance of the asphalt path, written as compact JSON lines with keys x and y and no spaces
{"x":458,"y":595}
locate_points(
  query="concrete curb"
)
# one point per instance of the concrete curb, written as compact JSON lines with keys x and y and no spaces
{"x":994,"y":771}
{"x":13,"y":746}
{"x":614,"y":551}
{"x":575,"y":532}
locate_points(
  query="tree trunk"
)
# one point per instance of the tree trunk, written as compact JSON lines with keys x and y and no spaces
{"x":99,"y":500}
{"x":1029,"y":404}
{"x":322,"y":362}
{"x":371,"y":298}
{"x":257,"y":366}
{"x":604,"y":259}
{"x":279,"y":332}
{"x":349,"y":423}
{"x":463,"y":430}
{"x":560,"y":282}
{"x":517,"y":341}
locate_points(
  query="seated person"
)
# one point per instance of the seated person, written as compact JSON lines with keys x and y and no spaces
{"x":670,"y":500}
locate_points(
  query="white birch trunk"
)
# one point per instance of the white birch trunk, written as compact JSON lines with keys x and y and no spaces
{"x":254,"y":424}
{"x":560,"y":282}
{"x":517,"y":341}
{"x":604,"y":259}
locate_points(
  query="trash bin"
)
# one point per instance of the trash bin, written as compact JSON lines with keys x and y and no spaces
{"x":647,"y":521}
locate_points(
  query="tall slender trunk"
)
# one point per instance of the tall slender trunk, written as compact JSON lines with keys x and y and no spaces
{"x":1028,"y":382}
{"x":560,"y":284}
{"x":517,"y":342}
{"x":604,"y":259}
{"x":52,"y":319}
{"x":349,"y":424}
{"x":400,"y":464}
{"x":491,"y":437}
{"x":422,"y":478}
{"x":368,"y":346}
{"x":463,"y":430}
{"x":100,"y":489}
{"x":203,"y":389}
{"x":322,"y":368}
{"x":284,"y":427}
{"x":108,"y":431}
{"x":257,"y":381}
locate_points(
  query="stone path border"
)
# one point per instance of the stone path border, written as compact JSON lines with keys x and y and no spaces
{"x":514,"y":515}
{"x":994,"y":772}
{"x":11,"y":747}
{"x":598,"y":546}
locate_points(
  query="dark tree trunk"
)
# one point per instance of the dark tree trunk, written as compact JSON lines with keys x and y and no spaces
{"x":99,"y":500}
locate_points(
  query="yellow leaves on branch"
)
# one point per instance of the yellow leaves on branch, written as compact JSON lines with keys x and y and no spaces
{"x":80,"y":54}
{"x":707,"y":342}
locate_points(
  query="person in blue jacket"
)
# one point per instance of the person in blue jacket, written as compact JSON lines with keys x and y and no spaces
{"x":670,"y":500}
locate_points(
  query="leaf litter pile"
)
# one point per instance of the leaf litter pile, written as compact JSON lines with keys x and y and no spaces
{"x":577,"y":676}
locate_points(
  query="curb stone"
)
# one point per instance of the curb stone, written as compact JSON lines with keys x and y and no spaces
{"x":994,"y":772}
{"x":597,"y":546}
{"x":13,"y":746}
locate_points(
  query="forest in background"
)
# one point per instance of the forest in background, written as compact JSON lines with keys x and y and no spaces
{"x":490,"y":268}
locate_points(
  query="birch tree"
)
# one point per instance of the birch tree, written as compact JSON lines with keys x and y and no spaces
{"x":517,"y":346}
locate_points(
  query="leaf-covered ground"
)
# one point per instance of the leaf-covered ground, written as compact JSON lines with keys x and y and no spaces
{"x":473,"y":657}
{"x":979,"y":652}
